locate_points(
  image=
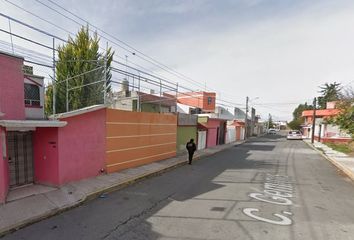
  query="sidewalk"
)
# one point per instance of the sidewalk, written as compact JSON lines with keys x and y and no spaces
{"x":340,"y":160}
{"x":21,"y":212}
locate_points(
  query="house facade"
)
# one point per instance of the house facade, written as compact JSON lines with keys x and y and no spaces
{"x":324,"y":131}
{"x":197,"y":102}
{"x":21,"y":123}
{"x":215,"y":130}
{"x":186,"y":129}
{"x":130,"y":100}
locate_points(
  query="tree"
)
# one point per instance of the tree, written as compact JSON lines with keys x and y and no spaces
{"x":329,"y":92}
{"x":80,"y":73}
{"x":345,"y":119}
{"x":295,"y":124}
{"x":270,"y":122}
{"x":297,"y":113}
{"x":297,"y":116}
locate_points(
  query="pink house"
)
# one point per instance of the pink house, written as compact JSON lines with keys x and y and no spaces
{"x":84,"y":143}
{"x":21,"y":124}
{"x":216,"y":130}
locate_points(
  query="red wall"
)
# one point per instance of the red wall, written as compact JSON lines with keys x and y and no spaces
{"x":11,"y":87}
{"x":45,"y":145}
{"x":333,"y":140}
{"x":198,"y":99}
{"x":4,"y":172}
{"x":82,"y":146}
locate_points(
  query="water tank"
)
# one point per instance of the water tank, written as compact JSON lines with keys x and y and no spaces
{"x":125,"y":86}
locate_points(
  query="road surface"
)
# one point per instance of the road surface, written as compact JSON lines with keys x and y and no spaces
{"x":267,"y":188}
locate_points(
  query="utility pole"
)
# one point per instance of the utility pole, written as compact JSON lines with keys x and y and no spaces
{"x":138,"y":102}
{"x":176,"y":98}
{"x":246,"y":118}
{"x":268,"y":122}
{"x":105,"y":77}
{"x":313,"y":121}
{"x":54,"y":82}
{"x":160,"y":96}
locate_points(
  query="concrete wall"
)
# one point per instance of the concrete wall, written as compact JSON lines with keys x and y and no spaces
{"x":137,"y":138}
{"x":82,"y":146}
{"x":187,"y":120}
{"x":46,"y":158}
{"x":4,"y":172}
{"x":186,"y":129}
{"x":223,"y":113}
{"x":11,"y":87}
{"x":184,"y":134}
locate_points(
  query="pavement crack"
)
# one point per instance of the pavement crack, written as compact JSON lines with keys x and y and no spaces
{"x":136,"y":216}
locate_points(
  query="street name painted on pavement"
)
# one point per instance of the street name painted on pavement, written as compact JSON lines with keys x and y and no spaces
{"x":277,"y":190}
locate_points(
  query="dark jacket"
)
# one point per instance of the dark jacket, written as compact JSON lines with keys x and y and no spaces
{"x":191,"y":147}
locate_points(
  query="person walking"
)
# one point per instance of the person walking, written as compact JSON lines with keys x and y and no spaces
{"x":191,"y":147}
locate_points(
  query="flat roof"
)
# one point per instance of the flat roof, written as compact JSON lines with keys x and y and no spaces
{"x":31,"y":123}
{"x":11,"y":55}
{"x":320,"y":112}
{"x":78,"y":112}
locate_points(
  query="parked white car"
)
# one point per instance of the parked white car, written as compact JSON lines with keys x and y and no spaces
{"x":294,"y":135}
{"x":271,"y":131}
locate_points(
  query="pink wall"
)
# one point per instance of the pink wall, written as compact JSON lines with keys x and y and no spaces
{"x":213,"y":122}
{"x":11,"y":87}
{"x":211,"y":138}
{"x":82,"y":146}
{"x":213,"y":132}
{"x":4,"y":173}
{"x":46,"y":156}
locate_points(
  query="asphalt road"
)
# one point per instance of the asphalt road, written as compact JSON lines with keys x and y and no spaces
{"x":268,"y":188}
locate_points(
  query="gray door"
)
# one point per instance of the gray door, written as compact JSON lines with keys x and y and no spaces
{"x":20,"y":157}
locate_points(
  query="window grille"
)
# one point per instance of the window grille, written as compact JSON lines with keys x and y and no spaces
{"x":32,"y":96}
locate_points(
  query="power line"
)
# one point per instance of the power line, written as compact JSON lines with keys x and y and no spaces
{"x":49,"y":34}
{"x":31,"y":27}
{"x":150,"y":59}
{"x":108,"y":34}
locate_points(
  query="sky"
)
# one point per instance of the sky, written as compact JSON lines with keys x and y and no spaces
{"x":277,"y":53}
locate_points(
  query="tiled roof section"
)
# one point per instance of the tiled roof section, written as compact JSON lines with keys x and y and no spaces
{"x":321,"y":112}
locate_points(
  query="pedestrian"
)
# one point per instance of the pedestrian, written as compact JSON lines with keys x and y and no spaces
{"x":191,"y":147}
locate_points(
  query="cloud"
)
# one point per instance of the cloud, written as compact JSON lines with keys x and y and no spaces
{"x":279,"y":51}
{"x":279,"y":59}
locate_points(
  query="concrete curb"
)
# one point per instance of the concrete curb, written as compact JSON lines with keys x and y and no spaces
{"x":108,"y":189}
{"x":340,"y":166}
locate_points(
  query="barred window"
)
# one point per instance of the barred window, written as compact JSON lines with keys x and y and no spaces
{"x":32,"y":96}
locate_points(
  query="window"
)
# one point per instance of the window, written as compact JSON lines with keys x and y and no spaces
{"x":32,"y":96}
{"x":209,"y":100}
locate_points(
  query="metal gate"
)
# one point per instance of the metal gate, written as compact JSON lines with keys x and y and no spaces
{"x":202,"y":135}
{"x":20,"y":157}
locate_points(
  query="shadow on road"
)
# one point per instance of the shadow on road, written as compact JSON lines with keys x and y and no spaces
{"x":131,"y":212}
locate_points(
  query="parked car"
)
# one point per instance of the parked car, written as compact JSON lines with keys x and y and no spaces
{"x":272,"y":131}
{"x":294,"y":134}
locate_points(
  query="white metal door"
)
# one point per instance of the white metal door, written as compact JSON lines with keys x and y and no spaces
{"x":230,"y":135}
{"x":201,"y":139}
